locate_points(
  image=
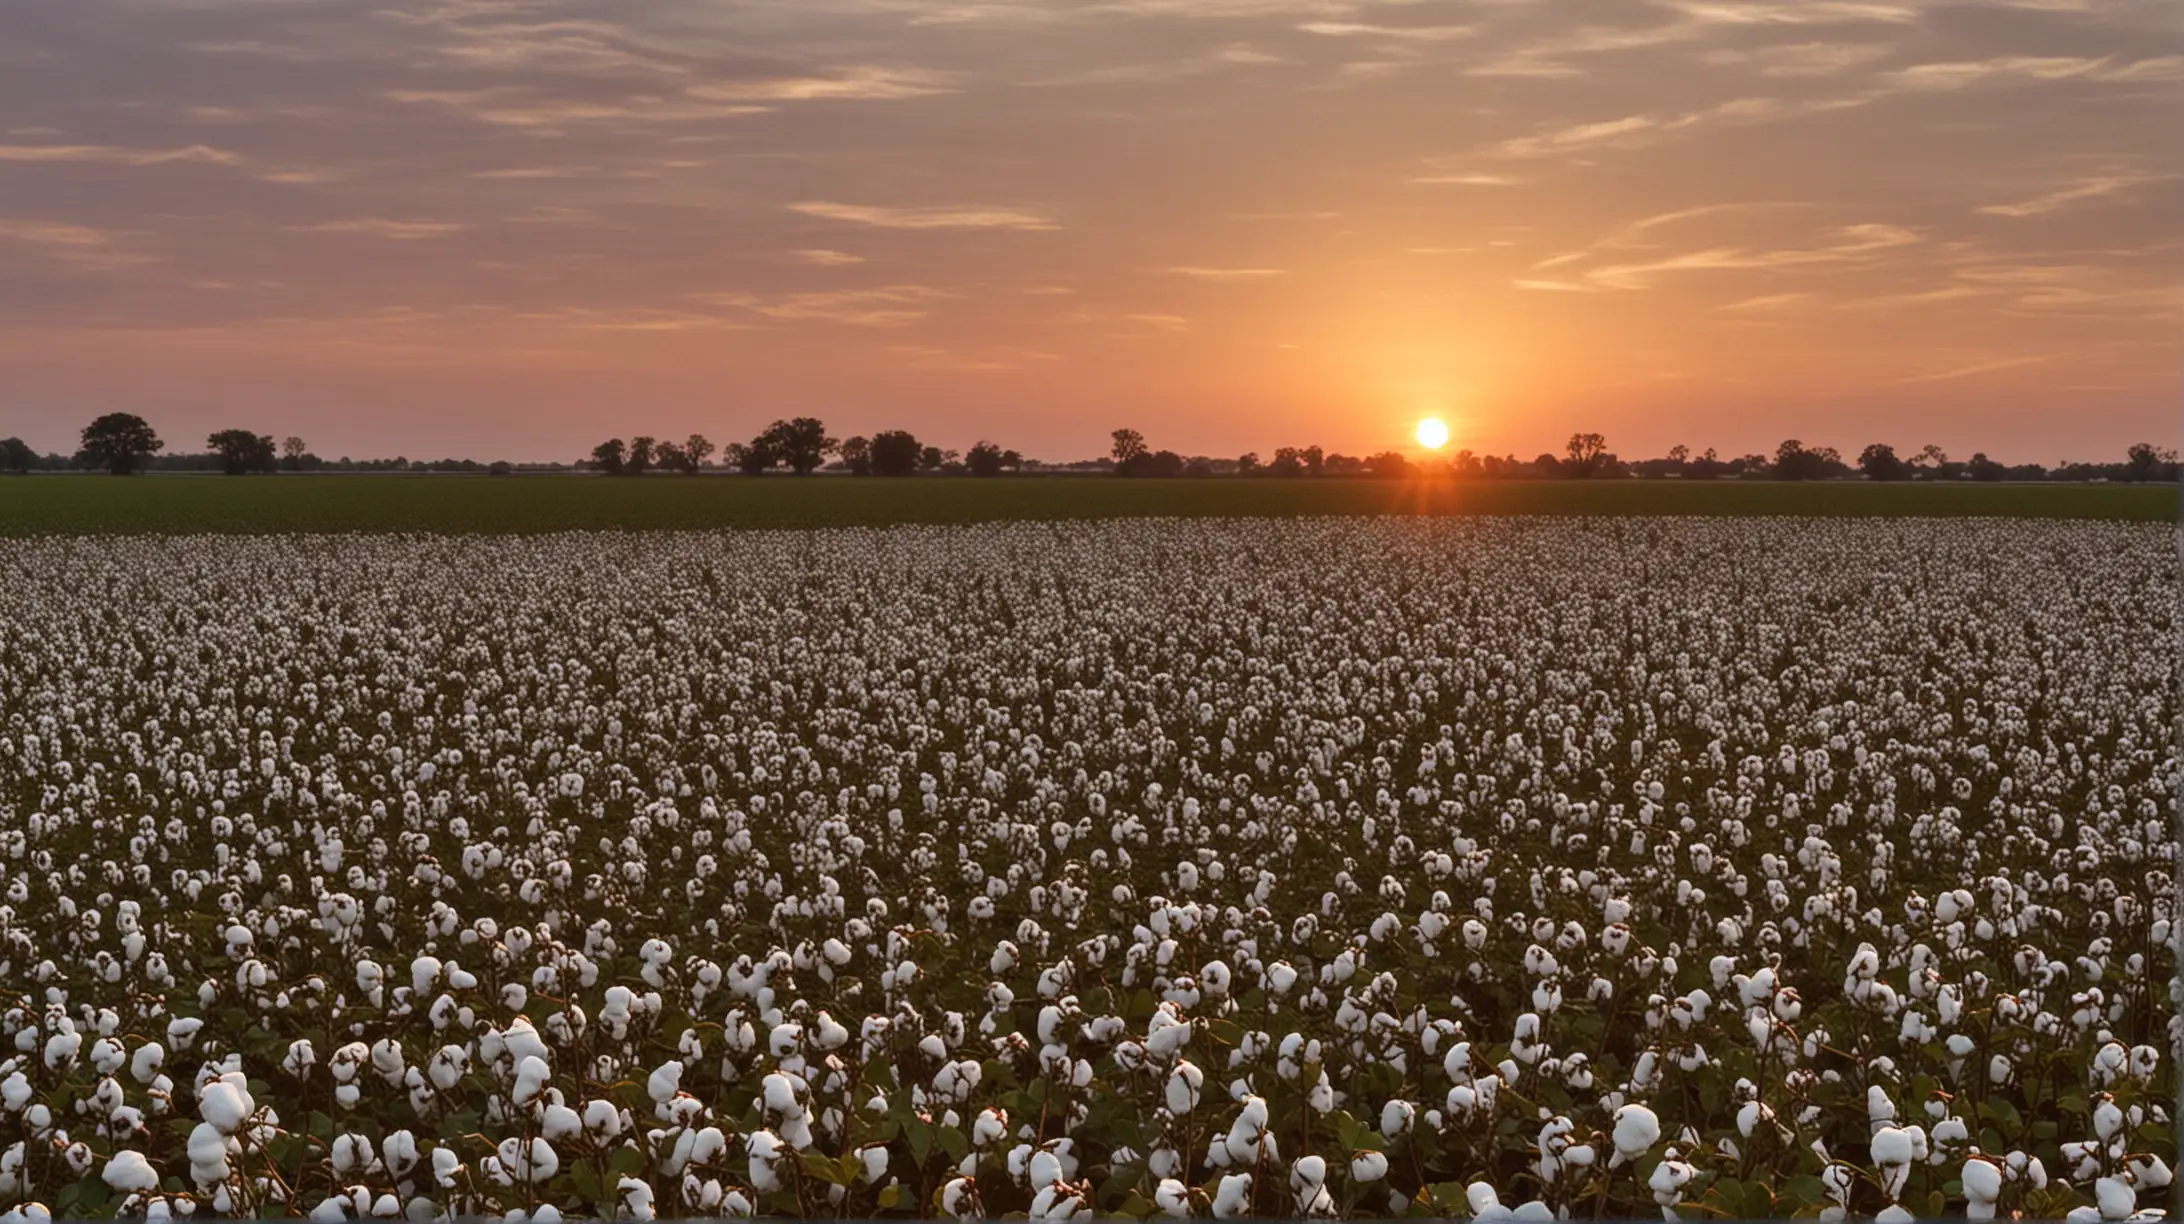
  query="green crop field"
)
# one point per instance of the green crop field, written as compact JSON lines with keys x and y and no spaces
{"x":71,"y":505}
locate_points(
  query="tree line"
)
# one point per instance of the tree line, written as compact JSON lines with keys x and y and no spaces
{"x":802,"y":446}
{"x":123,"y":444}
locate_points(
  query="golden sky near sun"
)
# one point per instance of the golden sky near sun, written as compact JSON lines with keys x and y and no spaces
{"x":511,"y":227}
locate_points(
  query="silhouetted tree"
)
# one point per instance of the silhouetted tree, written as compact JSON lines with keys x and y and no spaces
{"x":1128,"y":451}
{"x":696,"y":449}
{"x":242,"y":451}
{"x":855,"y":454}
{"x":802,"y":443}
{"x":1793,"y":462}
{"x":1983,"y":468}
{"x":2144,"y":461}
{"x":610,"y":456}
{"x":1012,"y":460}
{"x":120,"y":442}
{"x":1879,"y":462}
{"x":984,"y":459}
{"x":753,"y":458}
{"x":1247,"y":464}
{"x":896,"y":452}
{"x":293,"y":452}
{"x":669,"y":457}
{"x":1389,"y":464}
{"x":16,"y":456}
{"x":1931,"y":457}
{"x":640,"y":456}
{"x":1587,"y":453}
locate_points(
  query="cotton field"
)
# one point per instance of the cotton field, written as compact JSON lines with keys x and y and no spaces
{"x":1479,"y":868}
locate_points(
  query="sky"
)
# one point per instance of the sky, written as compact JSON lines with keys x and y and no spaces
{"x":510,"y":228}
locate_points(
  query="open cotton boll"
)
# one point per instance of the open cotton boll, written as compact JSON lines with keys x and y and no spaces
{"x":1233,"y":1197}
{"x":1636,"y":1130}
{"x":1185,"y":1085}
{"x":1368,"y":1167}
{"x":127,"y":1171}
{"x":225,"y":1103}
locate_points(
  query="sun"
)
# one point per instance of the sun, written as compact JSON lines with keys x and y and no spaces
{"x":1433,"y":433}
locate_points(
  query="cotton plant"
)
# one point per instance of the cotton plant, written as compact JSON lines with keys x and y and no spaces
{"x":1495,"y":869}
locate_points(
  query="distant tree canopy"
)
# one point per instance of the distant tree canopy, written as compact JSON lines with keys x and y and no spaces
{"x":242,"y":452}
{"x":16,"y":456}
{"x":1879,"y":462}
{"x":2144,"y":461}
{"x":610,"y":456}
{"x":896,"y":452}
{"x":801,"y":444}
{"x":123,"y":443}
{"x":120,"y":442}
{"x":1586,"y":454}
{"x":1793,"y":461}
{"x":985,"y":459}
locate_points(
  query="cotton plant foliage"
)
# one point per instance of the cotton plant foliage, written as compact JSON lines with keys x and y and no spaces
{"x":1501,"y":869}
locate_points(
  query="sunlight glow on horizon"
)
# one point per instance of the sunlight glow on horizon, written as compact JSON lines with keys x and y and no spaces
{"x":1433,"y":433}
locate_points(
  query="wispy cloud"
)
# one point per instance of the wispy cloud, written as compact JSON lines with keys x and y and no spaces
{"x":864,"y":83}
{"x":1976,"y":368}
{"x":384,"y":227}
{"x":1468,"y":180}
{"x":2091,"y":189}
{"x":1359,"y":29}
{"x":1575,"y":136}
{"x":885,"y":306}
{"x":111,"y":155}
{"x":960,"y":216}
{"x":79,"y":245}
{"x":1227,"y":274}
{"x":826,"y":258}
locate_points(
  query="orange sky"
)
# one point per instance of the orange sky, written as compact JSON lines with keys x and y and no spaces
{"x":511,"y":227}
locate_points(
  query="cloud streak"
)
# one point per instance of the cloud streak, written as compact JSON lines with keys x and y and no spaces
{"x":942,"y":217}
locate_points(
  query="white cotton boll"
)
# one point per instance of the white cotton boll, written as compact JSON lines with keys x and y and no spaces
{"x":1366,"y":1167}
{"x":1395,"y":1117}
{"x":146,"y":1061}
{"x":1233,"y":1196}
{"x":1637,"y":1129}
{"x":225,"y":1102}
{"x":532,"y":1076}
{"x":1173,"y":1198}
{"x":780,"y":1092}
{"x":2116,"y":1198}
{"x":1185,"y":1084}
{"x":1892,"y":1146}
{"x":1982,"y":1181}
{"x":129,"y":1172}
{"x":560,"y":1122}
{"x":664,"y":1082}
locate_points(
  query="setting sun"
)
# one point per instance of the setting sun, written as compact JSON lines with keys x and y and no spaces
{"x":1432,"y":433}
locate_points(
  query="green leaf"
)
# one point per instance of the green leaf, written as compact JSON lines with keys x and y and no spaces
{"x":823,"y":1168}
{"x":626,"y":1162}
{"x":956,"y":1142}
{"x":585,"y":1178}
{"x":891,"y":1197}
